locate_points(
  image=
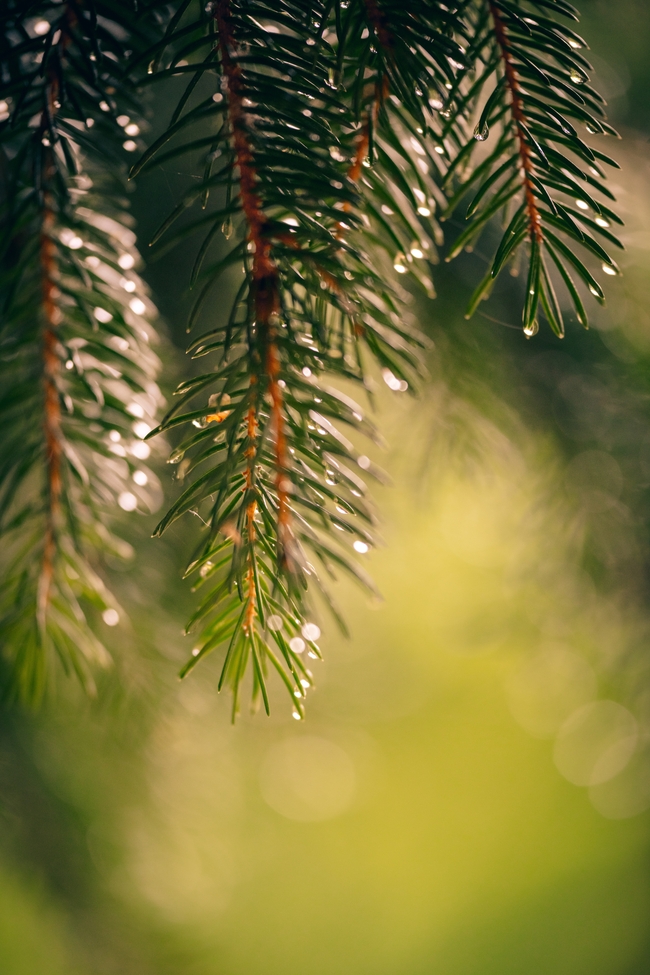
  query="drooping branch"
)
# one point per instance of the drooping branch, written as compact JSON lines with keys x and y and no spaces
{"x":519,"y":119}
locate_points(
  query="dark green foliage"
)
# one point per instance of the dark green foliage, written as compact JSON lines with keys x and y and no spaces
{"x":327,"y":140}
{"x":537,"y":172}
{"x":77,"y":369}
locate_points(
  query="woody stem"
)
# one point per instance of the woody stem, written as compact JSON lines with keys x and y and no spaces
{"x":519,"y":119}
{"x":266,"y":289}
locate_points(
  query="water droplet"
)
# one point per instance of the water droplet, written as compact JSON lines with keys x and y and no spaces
{"x":576,"y":78}
{"x":531,"y":329}
{"x":310,"y":631}
{"x":608,"y":269}
{"x":481,"y":134}
{"x":226,"y":228}
{"x":297,"y":645}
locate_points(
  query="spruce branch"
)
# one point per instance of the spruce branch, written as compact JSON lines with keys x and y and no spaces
{"x":540,"y":164}
{"x":282,"y":482}
{"x":77,"y":370}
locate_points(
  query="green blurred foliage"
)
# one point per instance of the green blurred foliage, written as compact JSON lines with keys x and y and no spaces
{"x":426,"y":817}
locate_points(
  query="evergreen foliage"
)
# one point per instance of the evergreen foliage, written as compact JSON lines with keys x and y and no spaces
{"x":76,"y":363}
{"x":330,"y":141}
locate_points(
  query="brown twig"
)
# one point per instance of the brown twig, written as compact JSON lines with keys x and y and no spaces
{"x":363,"y":142}
{"x":251,"y":507}
{"x":266,"y":284}
{"x":52,"y":405}
{"x":378,"y":21}
{"x":51,"y":359}
{"x":519,"y":118}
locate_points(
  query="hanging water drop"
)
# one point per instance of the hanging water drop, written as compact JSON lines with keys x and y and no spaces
{"x":226,"y":228}
{"x":531,"y":329}
{"x":481,"y":134}
{"x":576,"y":77}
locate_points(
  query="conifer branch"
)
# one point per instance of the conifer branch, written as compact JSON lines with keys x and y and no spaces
{"x":76,"y":367}
{"x":540,"y":163}
{"x":283,"y":488}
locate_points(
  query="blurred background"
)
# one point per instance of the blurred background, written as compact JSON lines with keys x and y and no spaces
{"x":470,"y":792}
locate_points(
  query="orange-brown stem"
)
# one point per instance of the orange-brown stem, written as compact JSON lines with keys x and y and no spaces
{"x":519,"y":118}
{"x":363,"y":142}
{"x":52,"y":406}
{"x":378,"y":21}
{"x":265,"y":272}
{"x":51,"y":359}
{"x":251,"y":507}
{"x":382,"y":89}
